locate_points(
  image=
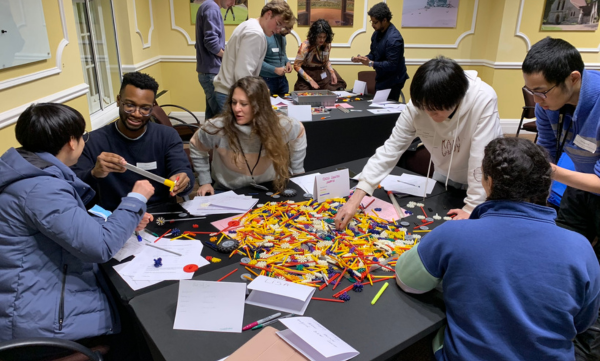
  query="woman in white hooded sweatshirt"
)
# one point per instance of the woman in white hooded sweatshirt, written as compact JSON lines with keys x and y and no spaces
{"x":456,"y":115}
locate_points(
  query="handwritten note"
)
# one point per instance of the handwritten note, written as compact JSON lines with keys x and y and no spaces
{"x":315,"y":341}
{"x":210,"y":306}
{"x":332,"y":185}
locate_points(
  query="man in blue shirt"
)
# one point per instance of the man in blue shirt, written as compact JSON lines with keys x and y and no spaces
{"x":276,"y":63}
{"x":210,"y":46}
{"x":387,"y":52}
{"x":567,"y":114}
{"x":134,"y":139}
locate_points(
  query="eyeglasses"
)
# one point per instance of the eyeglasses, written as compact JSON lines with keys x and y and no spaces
{"x":539,"y":94}
{"x":85,"y":136}
{"x":478,"y":174}
{"x":144,"y":110}
{"x":374,"y":22}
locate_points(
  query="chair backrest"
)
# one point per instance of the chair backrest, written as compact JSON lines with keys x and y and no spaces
{"x":529,"y":108}
{"x":80,"y":350}
{"x":369,"y":78}
{"x":161,"y":116}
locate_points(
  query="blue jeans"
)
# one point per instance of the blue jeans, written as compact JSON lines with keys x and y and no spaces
{"x":212,"y":107}
{"x":278,"y":85}
{"x":221,"y":99}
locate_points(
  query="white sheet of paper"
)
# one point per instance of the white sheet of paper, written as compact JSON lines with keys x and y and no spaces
{"x":279,"y":102}
{"x":301,"y":113}
{"x":385,"y":111}
{"x":381,"y":96}
{"x":135,"y":285}
{"x":221,"y":203}
{"x":279,"y":295}
{"x":398,"y":106}
{"x":172,"y":264}
{"x":306,"y":182}
{"x":315,"y":341}
{"x":133,"y":246}
{"x":341,"y":94}
{"x":332,"y":185}
{"x":360,"y":87}
{"x":410,"y":184}
{"x":210,"y":306}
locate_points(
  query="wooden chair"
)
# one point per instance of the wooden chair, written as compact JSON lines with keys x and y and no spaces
{"x":528,"y":113}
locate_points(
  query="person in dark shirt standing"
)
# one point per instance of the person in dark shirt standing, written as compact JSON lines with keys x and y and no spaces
{"x":134,"y":139}
{"x":210,"y":46}
{"x":387,"y":52}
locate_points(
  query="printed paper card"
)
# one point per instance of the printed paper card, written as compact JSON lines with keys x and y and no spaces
{"x":332,"y":185}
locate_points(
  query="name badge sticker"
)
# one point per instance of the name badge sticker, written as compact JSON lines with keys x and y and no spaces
{"x":323,"y":75}
{"x":585,"y":144}
{"x":147,"y":166}
{"x":275,"y":50}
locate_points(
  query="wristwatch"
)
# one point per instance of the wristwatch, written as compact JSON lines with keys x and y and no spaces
{"x":371,"y":64}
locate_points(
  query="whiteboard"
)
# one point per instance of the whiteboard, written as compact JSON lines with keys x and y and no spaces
{"x":23,"y":34}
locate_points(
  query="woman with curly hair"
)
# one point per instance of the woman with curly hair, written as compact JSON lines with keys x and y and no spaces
{"x":516,"y":285}
{"x":312,"y":62}
{"x":250,"y":143}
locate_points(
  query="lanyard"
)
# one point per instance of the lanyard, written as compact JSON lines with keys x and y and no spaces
{"x":561,"y":144}
{"x":246,"y":160}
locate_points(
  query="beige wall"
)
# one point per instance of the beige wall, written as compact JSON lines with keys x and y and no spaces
{"x":156,"y":37}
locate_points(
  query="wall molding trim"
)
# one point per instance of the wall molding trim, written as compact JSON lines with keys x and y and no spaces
{"x":457,"y":42}
{"x":137,"y":30}
{"x":340,"y":61}
{"x":10,"y":116}
{"x":9,"y":83}
{"x":175,"y":27}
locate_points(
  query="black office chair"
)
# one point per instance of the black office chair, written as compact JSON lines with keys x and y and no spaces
{"x":184,"y":129}
{"x":528,"y":113}
{"x":81,"y":353}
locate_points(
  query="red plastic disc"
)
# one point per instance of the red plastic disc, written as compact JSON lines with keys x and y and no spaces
{"x":233,"y":223}
{"x":190,"y":268}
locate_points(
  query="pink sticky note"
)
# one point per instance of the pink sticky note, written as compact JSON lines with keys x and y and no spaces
{"x":343,"y":105}
{"x":224,"y":223}
{"x":388,"y":212}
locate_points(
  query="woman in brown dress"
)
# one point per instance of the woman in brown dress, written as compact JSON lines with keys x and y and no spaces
{"x":312,"y":62}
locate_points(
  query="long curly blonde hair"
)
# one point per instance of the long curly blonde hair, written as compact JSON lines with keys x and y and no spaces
{"x":265,"y":124}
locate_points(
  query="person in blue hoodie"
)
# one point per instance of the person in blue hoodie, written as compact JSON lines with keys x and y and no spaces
{"x":567,"y":115}
{"x":50,"y":245}
{"x":516,"y":286}
{"x":387,"y":52}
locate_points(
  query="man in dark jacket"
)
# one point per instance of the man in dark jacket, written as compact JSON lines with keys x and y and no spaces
{"x":387,"y":52}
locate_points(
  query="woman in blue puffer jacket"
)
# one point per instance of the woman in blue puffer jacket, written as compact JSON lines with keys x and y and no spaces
{"x":50,"y":285}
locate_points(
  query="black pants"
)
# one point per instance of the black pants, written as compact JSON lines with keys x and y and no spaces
{"x":395,"y":92}
{"x":580,"y":212}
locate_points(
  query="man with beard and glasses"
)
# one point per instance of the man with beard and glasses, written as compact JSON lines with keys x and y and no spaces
{"x":134,"y":139}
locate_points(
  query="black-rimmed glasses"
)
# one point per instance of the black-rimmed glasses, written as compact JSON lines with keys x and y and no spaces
{"x":144,"y":110}
{"x":539,"y":94}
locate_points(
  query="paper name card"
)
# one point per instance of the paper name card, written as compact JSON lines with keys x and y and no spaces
{"x":301,"y":113}
{"x":332,"y":185}
{"x":279,"y":295}
{"x":381,"y":96}
{"x":315,"y":341}
{"x":360,"y":87}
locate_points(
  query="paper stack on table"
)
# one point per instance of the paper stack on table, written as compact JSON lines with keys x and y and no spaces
{"x":409,"y":184}
{"x":279,"y":295}
{"x":221,"y":203}
{"x":141,"y":272}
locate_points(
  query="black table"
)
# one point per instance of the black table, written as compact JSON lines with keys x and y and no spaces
{"x":346,"y":136}
{"x":378,"y":332}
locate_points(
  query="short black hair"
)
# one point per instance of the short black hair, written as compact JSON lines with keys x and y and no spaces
{"x":47,"y":127}
{"x":520,"y":170}
{"x":556,"y":59}
{"x":318,"y":27}
{"x":439,"y":84}
{"x":380,"y":11}
{"x":139,"y":80}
